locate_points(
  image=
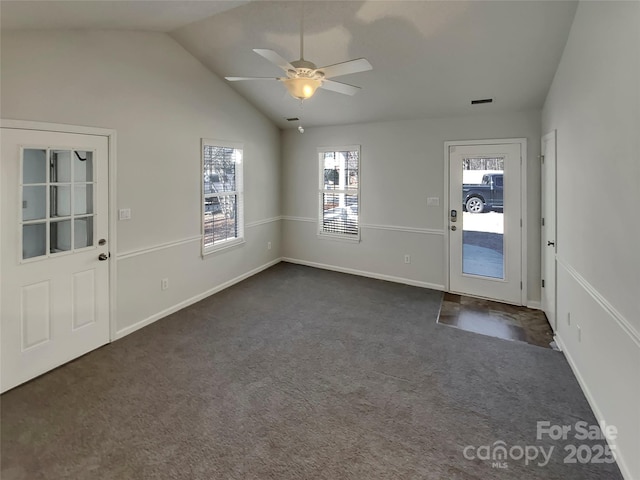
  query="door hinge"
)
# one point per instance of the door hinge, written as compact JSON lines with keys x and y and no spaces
{"x":520,"y":223}
{"x":543,"y":221}
{"x":543,"y":283}
{"x":520,"y":285}
{"x":542,"y":158}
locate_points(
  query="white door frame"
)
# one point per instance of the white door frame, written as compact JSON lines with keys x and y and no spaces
{"x":111,"y":138}
{"x":523,"y":199}
{"x":551,"y":138}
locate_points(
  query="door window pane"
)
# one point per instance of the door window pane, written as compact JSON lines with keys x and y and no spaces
{"x":83,"y":232}
{"x":34,"y":166}
{"x":60,"y":202}
{"x":483,"y":221}
{"x":83,"y":166}
{"x":34,"y":240}
{"x":60,"y":236}
{"x":60,"y":166}
{"x":83,"y":199}
{"x":57,"y":188}
{"x":34,"y":203}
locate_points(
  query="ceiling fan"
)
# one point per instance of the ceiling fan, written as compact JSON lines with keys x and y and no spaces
{"x":303,"y":77}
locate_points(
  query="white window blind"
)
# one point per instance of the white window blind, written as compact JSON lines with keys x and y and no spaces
{"x":339,"y":192}
{"x":222,"y":198}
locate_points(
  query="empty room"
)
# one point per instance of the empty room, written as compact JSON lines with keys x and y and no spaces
{"x":319,"y":239}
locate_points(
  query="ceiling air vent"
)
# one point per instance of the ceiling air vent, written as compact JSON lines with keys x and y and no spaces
{"x":293,"y":119}
{"x":482,"y":100}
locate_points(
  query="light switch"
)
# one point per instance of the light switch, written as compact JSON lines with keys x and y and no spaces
{"x":124,"y":214}
{"x":433,"y":201}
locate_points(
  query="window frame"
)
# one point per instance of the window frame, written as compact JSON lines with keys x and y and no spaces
{"x":50,"y":219}
{"x":238,"y":193}
{"x":344,"y":237}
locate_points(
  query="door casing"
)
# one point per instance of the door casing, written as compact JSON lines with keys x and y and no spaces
{"x":111,"y":157}
{"x":523,"y":192}
{"x":548,"y":270}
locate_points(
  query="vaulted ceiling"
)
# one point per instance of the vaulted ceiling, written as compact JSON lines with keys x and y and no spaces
{"x":430,"y":58}
{"x":147,"y":15}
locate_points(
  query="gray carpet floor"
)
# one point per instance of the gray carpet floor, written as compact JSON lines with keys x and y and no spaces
{"x":296,"y":373}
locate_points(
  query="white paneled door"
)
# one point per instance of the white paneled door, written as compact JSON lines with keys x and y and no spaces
{"x":485,"y":221}
{"x":54,"y":301}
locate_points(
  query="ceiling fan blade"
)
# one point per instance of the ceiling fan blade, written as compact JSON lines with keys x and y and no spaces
{"x":345,"y":68}
{"x":274,"y":58}
{"x":236,"y":79}
{"x":339,"y":87}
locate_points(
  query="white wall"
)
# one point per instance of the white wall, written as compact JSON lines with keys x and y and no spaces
{"x":161,"y":101}
{"x":594,"y":104}
{"x":402,"y":164}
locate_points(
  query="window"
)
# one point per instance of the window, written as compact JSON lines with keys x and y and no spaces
{"x":222,"y":203}
{"x":57,"y":196}
{"x":339,"y":193}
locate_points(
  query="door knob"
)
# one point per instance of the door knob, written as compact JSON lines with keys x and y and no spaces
{"x":551,"y":244}
{"x":454,"y":228}
{"x":102,"y":257}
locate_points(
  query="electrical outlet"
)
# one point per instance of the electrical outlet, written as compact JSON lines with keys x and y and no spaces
{"x":407,"y":259}
{"x":268,"y":245}
{"x":164,"y":284}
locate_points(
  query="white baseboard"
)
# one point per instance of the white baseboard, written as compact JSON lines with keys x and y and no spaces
{"x":604,"y":362}
{"x":190,"y":301}
{"x":534,"y":304}
{"x":626,"y":474}
{"x":362,"y":273}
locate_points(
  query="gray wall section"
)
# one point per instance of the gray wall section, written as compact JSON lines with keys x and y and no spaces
{"x":402,"y":164}
{"x":161,"y":101}
{"x":594,"y":105}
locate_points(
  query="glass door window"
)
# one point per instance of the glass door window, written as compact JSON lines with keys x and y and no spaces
{"x":57,"y":197}
{"x":483,"y":216}
{"x":485,"y":224}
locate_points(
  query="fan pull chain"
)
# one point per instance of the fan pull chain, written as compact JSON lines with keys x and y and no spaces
{"x":300,"y":127}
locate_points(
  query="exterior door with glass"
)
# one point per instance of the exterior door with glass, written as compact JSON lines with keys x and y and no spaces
{"x":54,"y":245}
{"x":485,"y":220}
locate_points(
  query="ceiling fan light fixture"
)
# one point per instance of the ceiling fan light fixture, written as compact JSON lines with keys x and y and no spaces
{"x":301,"y":87}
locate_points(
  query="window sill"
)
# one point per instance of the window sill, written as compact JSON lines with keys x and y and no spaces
{"x":223,"y":246}
{"x":340,"y":238}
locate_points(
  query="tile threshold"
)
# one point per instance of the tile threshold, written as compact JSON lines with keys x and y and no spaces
{"x":494,"y":319}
